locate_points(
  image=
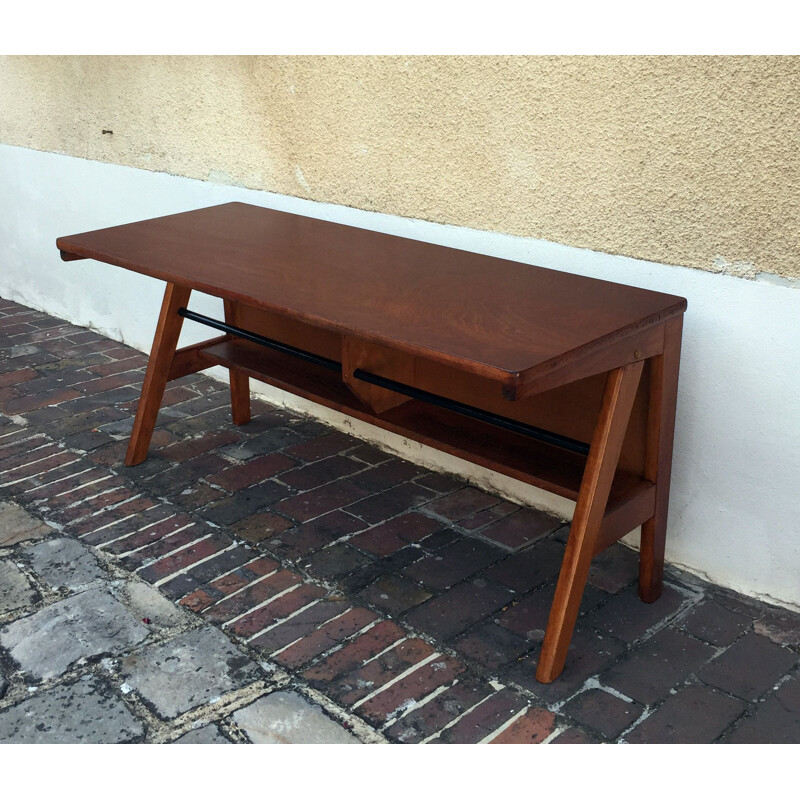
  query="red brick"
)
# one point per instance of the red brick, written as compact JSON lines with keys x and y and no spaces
{"x":117,"y":521}
{"x":253,"y":595}
{"x":463,"y":503}
{"x":170,"y":564}
{"x":26,"y":452}
{"x":278,"y":609}
{"x":392,"y":701}
{"x":317,"y":502}
{"x":164,"y":546}
{"x":300,"y":625}
{"x":70,"y":482}
{"x":198,"y":600}
{"x":321,"y":472}
{"x":324,"y":638}
{"x":96,"y":385}
{"x":228,"y":584}
{"x":479,"y":723}
{"x":30,"y":470}
{"x":115,"y":367}
{"x":522,"y":528}
{"x":254,"y":471}
{"x":18,"y":376}
{"x":24,"y":404}
{"x":261,"y":566}
{"x":388,"y":537}
{"x":534,"y":726}
{"x":352,"y":655}
{"x":92,"y":505}
{"x":189,"y":448}
{"x":323,"y":447}
{"x":160,"y":522}
{"x":430,"y":718}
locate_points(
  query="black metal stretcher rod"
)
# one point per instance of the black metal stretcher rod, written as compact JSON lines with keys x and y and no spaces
{"x":542,"y":435}
{"x":328,"y":363}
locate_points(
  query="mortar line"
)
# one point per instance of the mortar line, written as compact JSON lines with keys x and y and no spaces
{"x":175,"y":552}
{"x":262,"y":604}
{"x":58,"y":480}
{"x":412,"y":669}
{"x":36,"y":475}
{"x":188,"y":567}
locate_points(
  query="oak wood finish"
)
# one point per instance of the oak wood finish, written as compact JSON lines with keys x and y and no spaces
{"x":584,"y":358}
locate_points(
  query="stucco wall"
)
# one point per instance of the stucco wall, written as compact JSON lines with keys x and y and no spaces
{"x":683,"y":160}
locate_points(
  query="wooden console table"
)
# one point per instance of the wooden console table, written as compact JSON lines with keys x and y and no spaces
{"x":564,"y":382}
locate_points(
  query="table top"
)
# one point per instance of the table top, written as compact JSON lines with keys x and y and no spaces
{"x":488,"y":315}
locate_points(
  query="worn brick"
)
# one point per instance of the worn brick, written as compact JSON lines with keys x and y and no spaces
{"x":627,"y":618}
{"x":22,"y":405}
{"x":462,"y":503}
{"x":614,"y":569}
{"x":394,"y":595}
{"x":321,"y":472}
{"x":18,"y":376}
{"x":574,"y":736}
{"x":354,"y":653}
{"x":780,"y":625}
{"x":335,"y":561}
{"x":244,"y":503}
{"x":327,"y":636}
{"x":131,"y":525}
{"x":278,"y":609}
{"x":255,"y":594}
{"x":199,"y":600}
{"x":533,"y":727}
{"x":362,"y":577}
{"x":484,"y":719}
{"x":749,"y":667}
{"x":693,"y":715}
{"x":492,"y":645}
{"x":454,"y":611}
{"x":603,"y":712}
{"x":35,"y":468}
{"x":316,"y":534}
{"x":647,"y":672}
{"x":26,"y":452}
{"x":384,"y":476}
{"x":529,"y":569}
{"x":521,"y":528}
{"x":316,"y":502}
{"x":426,"y":720}
{"x":357,"y":685}
{"x":390,"y":536}
{"x":322,"y":447}
{"x":776,"y":720}
{"x":715,"y":624}
{"x":170,"y":564}
{"x":369,"y":454}
{"x":198,"y":496}
{"x":405,"y":693}
{"x":255,"y":471}
{"x":300,"y":625}
{"x":95,"y":503}
{"x":480,"y":519}
{"x":164,"y":546}
{"x":191,"y":448}
{"x":259,"y":526}
{"x":207,"y":571}
{"x":588,"y":655}
{"x":390,"y":503}
{"x":453,"y":563}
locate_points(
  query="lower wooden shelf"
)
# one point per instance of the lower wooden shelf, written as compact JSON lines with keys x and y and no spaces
{"x":537,"y":463}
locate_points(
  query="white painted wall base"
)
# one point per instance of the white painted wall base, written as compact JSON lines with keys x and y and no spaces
{"x":736,"y":472}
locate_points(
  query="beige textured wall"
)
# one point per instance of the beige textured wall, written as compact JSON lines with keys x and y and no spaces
{"x":682,"y":160}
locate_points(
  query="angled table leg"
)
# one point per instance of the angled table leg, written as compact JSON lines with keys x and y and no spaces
{"x":240,"y":381}
{"x":158,"y":369}
{"x":658,"y":458}
{"x":620,"y":391}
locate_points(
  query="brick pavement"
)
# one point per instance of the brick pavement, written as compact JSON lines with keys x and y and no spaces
{"x":412,"y":603}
